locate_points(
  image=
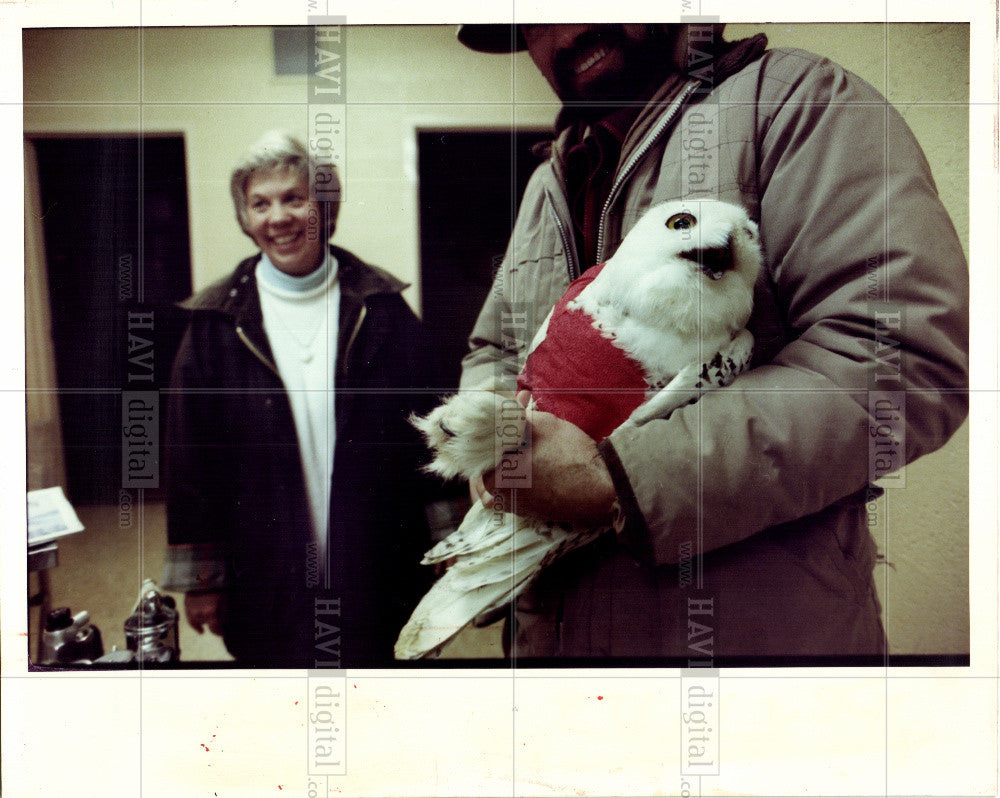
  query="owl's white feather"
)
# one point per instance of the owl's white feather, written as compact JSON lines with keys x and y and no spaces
{"x":676,"y":297}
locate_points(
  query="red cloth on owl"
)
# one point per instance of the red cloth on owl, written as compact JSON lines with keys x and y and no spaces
{"x":578,"y":374}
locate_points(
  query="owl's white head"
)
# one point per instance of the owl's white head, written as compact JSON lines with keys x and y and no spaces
{"x":690,"y":262}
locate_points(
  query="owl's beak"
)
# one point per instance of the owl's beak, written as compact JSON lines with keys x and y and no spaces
{"x":713,"y":261}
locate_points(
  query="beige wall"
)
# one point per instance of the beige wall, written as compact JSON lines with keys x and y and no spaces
{"x":398,"y":80}
{"x":217,"y":88}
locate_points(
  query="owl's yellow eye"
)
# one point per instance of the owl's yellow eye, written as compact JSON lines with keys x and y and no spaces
{"x":681,"y":221}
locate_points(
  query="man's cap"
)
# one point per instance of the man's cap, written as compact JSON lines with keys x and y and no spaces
{"x":493,"y":38}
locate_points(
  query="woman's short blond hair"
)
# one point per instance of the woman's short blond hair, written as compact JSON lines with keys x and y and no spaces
{"x":278,"y":151}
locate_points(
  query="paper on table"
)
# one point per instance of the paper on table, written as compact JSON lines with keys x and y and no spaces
{"x":50,"y":516}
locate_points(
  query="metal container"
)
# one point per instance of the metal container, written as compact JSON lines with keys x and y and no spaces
{"x":69,"y":638}
{"x":151,"y":629}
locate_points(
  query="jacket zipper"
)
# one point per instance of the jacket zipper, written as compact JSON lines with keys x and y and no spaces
{"x":637,"y":155}
{"x":347,"y":350}
{"x":257,"y":353}
{"x":574,"y":270}
{"x":354,"y":334}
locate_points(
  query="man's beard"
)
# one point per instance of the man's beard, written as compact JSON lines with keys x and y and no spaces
{"x":645,"y":64}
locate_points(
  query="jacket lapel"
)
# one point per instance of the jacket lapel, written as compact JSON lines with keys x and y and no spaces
{"x":250,"y":324}
{"x":360,"y":334}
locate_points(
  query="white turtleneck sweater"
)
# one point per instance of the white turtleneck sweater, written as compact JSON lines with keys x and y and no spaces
{"x":301,"y":321}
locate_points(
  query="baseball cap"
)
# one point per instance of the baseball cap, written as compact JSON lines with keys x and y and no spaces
{"x":493,"y":38}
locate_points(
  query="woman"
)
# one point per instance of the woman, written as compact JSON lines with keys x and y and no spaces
{"x":295,"y":517}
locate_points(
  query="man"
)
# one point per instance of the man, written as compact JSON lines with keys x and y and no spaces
{"x":740,"y":520}
{"x":295,"y":518}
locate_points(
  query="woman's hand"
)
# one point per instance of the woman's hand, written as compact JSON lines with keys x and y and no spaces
{"x":205,"y":609}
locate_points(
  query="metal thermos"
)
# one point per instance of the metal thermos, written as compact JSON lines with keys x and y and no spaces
{"x":151,"y":629}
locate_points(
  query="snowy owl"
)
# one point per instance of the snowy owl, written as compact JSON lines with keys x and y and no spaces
{"x":651,"y":329}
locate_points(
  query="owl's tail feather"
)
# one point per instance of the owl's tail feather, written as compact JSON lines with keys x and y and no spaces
{"x":480,"y":530}
{"x":496,"y":558}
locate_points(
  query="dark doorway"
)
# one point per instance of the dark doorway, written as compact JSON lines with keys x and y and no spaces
{"x":471,"y":183}
{"x":117,"y":246}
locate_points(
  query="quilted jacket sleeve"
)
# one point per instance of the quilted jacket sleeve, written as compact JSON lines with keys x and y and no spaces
{"x":489,"y":361}
{"x":534,"y":274}
{"x":872,"y":281}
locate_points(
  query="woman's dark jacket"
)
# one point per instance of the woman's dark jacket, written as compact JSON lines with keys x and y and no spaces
{"x":238,"y":516}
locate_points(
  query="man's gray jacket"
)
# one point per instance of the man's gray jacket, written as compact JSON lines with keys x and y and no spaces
{"x":861,"y":328}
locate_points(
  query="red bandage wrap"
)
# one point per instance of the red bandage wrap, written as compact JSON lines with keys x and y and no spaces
{"x":578,"y":374}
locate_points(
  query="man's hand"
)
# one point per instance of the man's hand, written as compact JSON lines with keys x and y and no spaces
{"x":569,"y":480}
{"x":204,"y":609}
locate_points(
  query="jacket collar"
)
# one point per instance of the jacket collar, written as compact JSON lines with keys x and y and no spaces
{"x":236,"y":297}
{"x":231,"y":295}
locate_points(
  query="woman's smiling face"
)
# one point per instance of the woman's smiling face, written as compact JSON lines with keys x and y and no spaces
{"x":284,"y":221}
